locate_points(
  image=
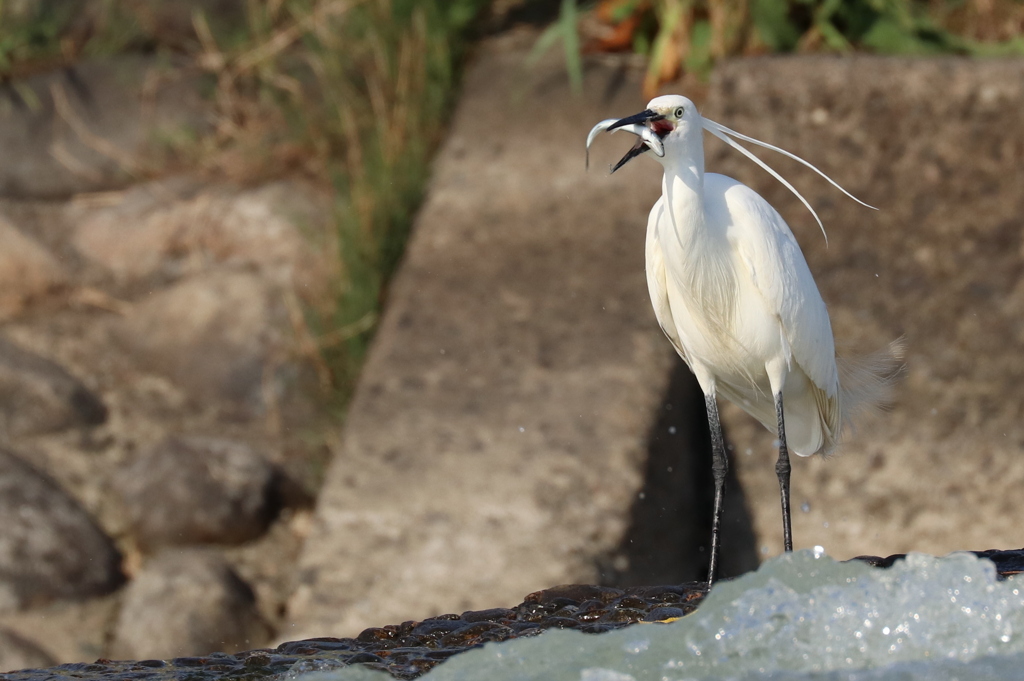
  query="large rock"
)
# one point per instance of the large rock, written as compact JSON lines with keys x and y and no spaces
{"x":28,"y":272}
{"x":93,"y":127}
{"x":18,"y":653}
{"x":163,"y":230}
{"x":38,"y":395}
{"x":186,"y":603}
{"x":66,"y":631}
{"x":496,"y":441}
{"x":938,"y":146}
{"x":221,"y":336}
{"x":49,"y":548}
{"x":189,"y":490}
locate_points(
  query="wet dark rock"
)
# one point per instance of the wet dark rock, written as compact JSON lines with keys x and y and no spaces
{"x":663,"y":594}
{"x":573,"y":593}
{"x":186,"y":602}
{"x":39,"y":396}
{"x":663,"y":613}
{"x":486,"y":615}
{"x":50,"y":548}
{"x":412,"y":648}
{"x":558,"y":622}
{"x":476,"y":633}
{"x":629,"y":615}
{"x":192,"y":490}
{"x":1008,"y":563}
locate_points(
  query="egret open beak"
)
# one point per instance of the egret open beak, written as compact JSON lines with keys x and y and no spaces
{"x":646,"y":116}
{"x":636,"y":124}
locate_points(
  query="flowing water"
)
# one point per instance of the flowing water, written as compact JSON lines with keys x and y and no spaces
{"x":800,"y":617}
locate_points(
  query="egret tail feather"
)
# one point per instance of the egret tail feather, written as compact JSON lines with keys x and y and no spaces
{"x":867,"y":382}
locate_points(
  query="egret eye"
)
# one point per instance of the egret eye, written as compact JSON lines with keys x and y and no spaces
{"x":679,"y":112}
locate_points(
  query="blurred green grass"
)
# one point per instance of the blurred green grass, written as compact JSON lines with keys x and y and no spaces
{"x":351,"y":94}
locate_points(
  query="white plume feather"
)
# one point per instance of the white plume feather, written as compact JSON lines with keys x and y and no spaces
{"x":723,"y":133}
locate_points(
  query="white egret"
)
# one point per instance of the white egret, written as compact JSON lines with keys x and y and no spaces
{"x":733,"y":293}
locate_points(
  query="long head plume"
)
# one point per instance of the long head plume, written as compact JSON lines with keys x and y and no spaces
{"x":723,"y":133}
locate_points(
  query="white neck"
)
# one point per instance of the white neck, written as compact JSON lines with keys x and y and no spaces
{"x":698,"y":249}
{"x":683,"y":185}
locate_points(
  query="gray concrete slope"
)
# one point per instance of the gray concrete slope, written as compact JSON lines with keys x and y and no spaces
{"x":497,"y":439}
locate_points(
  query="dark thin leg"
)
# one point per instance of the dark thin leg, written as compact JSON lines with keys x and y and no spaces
{"x":782,"y":469}
{"x":719,"y":467}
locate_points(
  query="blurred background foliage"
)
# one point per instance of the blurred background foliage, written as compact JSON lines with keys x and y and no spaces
{"x":353,"y":94}
{"x":687,"y":36}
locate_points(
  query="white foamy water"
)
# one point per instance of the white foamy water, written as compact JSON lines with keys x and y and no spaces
{"x":800,"y":617}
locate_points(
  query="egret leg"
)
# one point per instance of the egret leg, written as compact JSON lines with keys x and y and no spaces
{"x":719,"y":468}
{"x":782,"y":469}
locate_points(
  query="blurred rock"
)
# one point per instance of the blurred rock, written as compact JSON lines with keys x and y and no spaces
{"x":938,"y":146}
{"x":93,"y":127}
{"x":38,"y":395}
{"x":217,"y":335}
{"x":18,"y":653}
{"x":186,"y":603}
{"x":181,"y":307}
{"x":68,"y":631}
{"x":162,"y":230}
{"x":49,"y":548}
{"x":28,"y":271}
{"x":129,"y":232}
{"x":191,"y":490}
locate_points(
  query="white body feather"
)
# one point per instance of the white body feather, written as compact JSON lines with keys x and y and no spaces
{"x":740,"y":306}
{"x":732,"y":291}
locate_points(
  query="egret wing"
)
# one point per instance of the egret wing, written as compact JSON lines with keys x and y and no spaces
{"x":656,"y":282}
{"x":772,"y":258}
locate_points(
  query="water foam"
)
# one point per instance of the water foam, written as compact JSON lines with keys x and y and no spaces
{"x":800,"y":617}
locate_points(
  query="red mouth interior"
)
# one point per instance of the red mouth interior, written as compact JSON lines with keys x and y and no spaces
{"x":662,"y":127}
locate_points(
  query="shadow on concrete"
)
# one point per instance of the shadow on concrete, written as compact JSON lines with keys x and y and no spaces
{"x":670,"y":528}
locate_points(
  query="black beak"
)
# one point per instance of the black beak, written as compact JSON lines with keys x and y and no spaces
{"x":642,"y":118}
{"x":634,"y":151}
{"x":645,"y":116}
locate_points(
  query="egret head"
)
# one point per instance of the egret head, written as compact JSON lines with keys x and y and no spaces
{"x":677,"y":116}
{"x":672,"y":121}
{"x":668,"y":116}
